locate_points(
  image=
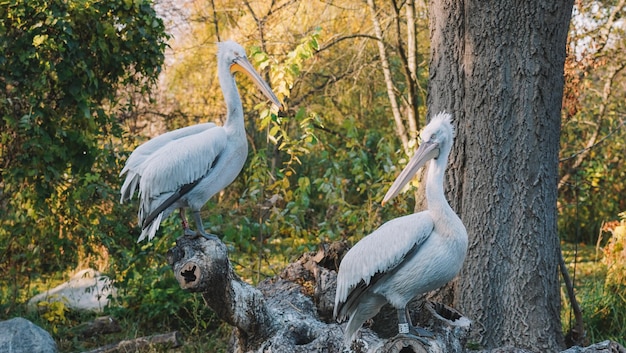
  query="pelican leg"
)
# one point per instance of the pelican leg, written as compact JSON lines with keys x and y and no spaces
{"x":200,"y":227}
{"x":416,"y":330}
{"x":186,"y":230}
{"x":406,"y":328}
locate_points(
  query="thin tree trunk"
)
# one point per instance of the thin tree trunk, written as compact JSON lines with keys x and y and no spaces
{"x":498,"y":67}
{"x":397,"y":116}
{"x":411,"y":44}
{"x":409,"y":61}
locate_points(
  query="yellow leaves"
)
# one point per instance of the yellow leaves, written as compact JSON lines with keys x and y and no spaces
{"x":54,"y":313}
{"x":284,"y":74}
{"x":39,"y":39}
{"x":259,"y":57}
{"x":615,"y":255}
{"x":596,"y":178}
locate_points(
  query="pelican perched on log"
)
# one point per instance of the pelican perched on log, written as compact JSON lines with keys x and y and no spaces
{"x":409,"y":255}
{"x":184,"y":168}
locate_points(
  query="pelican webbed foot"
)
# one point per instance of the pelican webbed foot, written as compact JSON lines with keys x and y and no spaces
{"x":418,"y":331}
{"x":206,"y":235}
{"x":423,"y":340}
{"x":199,"y":233}
{"x":189,"y":232}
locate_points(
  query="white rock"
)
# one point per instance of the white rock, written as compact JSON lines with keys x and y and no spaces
{"x":86,"y":290}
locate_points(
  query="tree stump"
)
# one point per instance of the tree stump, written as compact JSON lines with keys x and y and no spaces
{"x":292,"y":312}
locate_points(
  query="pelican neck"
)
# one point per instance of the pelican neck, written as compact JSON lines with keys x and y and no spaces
{"x":234,"y":107}
{"x":435,"y":196}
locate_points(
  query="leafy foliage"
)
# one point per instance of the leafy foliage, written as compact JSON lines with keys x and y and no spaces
{"x":61,"y":64}
{"x":593,"y":173}
{"x":71,"y":58}
{"x":600,"y":284}
{"x":54,"y":313}
{"x":615,"y":257}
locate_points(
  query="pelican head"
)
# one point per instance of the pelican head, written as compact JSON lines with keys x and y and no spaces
{"x":437,"y":139}
{"x":235,"y":57}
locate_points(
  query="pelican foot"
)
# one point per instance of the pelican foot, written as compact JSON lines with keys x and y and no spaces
{"x":423,"y":340}
{"x":418,"y":331}
{"x":206,"y":236}
{"x":413,"y":332}
{"x":195,"y":234}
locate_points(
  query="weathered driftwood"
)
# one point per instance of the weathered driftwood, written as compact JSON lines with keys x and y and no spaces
{"x":293,"y":311}
{"x":602,"y":347}
{"x":167,"y":340}
{"x":99,"y":326}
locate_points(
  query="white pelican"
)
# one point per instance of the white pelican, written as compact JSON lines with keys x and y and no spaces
{"x":409,"y":255}
{"x":184,"y":168}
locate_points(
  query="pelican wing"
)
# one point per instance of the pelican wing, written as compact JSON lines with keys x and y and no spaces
{"x":378,"y":254}
{"x":181,"y":162}
{"x":135,"y":163}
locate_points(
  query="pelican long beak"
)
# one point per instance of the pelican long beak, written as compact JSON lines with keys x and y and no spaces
{"x":426,"y":151}
{"x":241,"y":64}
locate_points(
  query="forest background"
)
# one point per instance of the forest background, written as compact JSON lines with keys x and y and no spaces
{"x":80,"y":91}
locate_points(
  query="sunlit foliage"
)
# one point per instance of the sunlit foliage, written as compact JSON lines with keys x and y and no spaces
{"x":593,"y":171}
{"x":61,"y":65}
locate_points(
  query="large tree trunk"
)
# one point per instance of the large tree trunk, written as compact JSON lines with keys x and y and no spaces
{"x":498,"y":67}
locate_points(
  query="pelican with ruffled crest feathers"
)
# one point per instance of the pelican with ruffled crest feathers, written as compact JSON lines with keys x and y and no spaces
{"x":409,"y":255}
{"x":182,"y":169}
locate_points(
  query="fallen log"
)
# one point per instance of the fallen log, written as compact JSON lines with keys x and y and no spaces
{"x":99,"y":326}
{"x":166,"y":340}
{"x":293,"y":311}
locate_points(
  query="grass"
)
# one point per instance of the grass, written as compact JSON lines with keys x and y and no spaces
{"x":603,"y":305}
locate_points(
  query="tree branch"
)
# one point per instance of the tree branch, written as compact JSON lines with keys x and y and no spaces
{"x":593,"y":140}
{"x":201,"y":265}
{"x":170,"y":340}
{"x":577,"y":332}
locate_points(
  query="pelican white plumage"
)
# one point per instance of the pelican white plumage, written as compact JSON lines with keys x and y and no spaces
{"x":184,"y":168}
{"x":409,"y":255}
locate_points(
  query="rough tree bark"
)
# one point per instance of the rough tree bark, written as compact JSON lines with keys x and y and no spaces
{"x":498,"y":67}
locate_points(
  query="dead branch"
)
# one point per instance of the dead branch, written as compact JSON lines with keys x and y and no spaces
{"x":169,"y":340}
